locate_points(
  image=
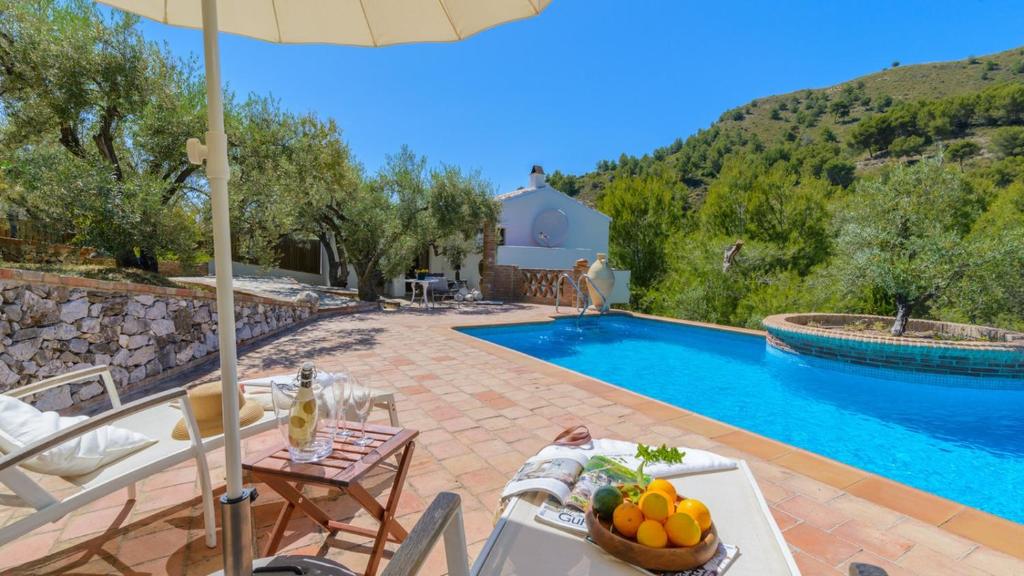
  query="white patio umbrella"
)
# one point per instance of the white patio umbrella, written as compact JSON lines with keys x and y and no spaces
{"x":371,"y":23}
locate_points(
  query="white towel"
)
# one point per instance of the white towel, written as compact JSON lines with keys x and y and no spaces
{"x":695,"y":461}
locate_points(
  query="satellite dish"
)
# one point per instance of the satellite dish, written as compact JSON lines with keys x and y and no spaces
{"x":550,"y":228}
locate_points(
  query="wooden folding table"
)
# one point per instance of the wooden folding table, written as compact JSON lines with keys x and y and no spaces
{"x":343,"y":469}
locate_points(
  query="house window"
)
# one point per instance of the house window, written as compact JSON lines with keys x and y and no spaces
{"x":501,"y":235}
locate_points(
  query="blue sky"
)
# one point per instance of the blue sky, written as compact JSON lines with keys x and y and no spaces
{"x":590,"y":79}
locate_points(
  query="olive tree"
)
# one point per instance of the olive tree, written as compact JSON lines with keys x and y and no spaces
{"x":404,"y":209}
{"x":84,"y":95}
{"x":901,"y":237}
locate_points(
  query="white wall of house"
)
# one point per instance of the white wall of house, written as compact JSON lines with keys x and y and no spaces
{"x":588,"y":228}
{"x":469,"y":271}
{"x":543,"y":258}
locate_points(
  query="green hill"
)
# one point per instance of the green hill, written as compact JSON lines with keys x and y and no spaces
{"x":812,"y":115}
{"x":821,"y":200}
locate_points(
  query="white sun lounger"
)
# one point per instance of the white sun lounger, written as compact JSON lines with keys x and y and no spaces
{"x":153,"y":416}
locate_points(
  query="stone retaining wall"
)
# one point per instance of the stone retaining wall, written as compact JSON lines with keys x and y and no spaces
{"x":53,"y":324}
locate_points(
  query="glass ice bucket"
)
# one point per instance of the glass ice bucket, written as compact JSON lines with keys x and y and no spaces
{"x":317,"y":438}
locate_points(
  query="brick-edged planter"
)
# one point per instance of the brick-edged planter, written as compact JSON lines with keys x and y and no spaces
{"x":980,"y":351}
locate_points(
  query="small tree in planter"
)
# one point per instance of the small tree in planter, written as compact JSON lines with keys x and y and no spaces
{"x":902,"y":236}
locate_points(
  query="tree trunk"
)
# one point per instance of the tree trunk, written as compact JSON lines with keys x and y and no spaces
{"x":903,"y":308}
{"x":371,"y":283}
{"x":337,"y":269}
{"x":148,"y":261}
{"x":127,"y":259}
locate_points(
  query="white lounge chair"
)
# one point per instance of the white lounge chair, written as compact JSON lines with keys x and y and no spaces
{"x":153,"y":416}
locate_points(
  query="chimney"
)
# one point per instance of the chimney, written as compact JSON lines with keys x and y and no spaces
{"x":537,"y":177}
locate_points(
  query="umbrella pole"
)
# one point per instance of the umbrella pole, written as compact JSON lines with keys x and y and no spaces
{"x":236,"y":516}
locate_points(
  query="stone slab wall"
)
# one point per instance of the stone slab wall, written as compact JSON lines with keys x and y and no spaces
{"x":53,"y":324}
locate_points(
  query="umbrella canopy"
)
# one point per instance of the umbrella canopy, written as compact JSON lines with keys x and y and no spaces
{"x":349,"y":22}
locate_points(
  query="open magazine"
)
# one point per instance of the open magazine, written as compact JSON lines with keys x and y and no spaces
{"x":568,"y":475}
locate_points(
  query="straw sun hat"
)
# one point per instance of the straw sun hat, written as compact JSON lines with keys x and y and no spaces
{"x":206,"y":404}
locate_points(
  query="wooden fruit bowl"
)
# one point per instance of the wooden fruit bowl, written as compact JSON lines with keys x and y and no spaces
{"x":666,"y":559}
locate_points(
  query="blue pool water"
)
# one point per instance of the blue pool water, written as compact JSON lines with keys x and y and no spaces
{"x":963,"y":442}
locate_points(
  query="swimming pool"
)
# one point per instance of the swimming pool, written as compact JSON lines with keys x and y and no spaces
{"x":959,"y":441}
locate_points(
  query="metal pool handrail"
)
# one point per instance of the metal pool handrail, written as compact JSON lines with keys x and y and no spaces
{"x":580,"y":295}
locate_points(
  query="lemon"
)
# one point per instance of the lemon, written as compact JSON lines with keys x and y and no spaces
{"x":662,"y":485}
{"x":656,"y":505}
{"x":696,"y":509}
{"x":627,"y":518}
{"x":682,"y":529}
{"x":652,"y":534}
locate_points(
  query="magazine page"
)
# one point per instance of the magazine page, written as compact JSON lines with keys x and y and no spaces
{"x":599,"y":471}
{"x":553,"y":470}
{"x":564,"y":517}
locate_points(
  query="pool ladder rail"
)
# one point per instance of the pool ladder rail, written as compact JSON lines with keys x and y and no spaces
{"x":581,"y":298}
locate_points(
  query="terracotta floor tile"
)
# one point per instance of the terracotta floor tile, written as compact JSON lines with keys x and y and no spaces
{"x":811,"y":566}
{"x":823,"y":546}
{"x":784,"y":520}
{"x":992,"y":531}
{"x":931,"y":563}
{"x":868,"y":513}
{"x":483,"y":480}
{"x":822,"y":469}
{"x":933,"y":537}
{"x":94,"y":522}
{"x":757,"y":445}
{"x":150,"y":547}
{"x":910,"y":501}
{"x":812,"y":512}
{"x":994,"y":562}
{"x":865,"y":557}
{"x":704,"y":426}
{"x":465,"y":463}
{"x":885,"y":544}
{"x":26,"y":549}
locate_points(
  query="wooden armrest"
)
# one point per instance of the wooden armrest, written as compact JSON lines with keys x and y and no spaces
{"x":411,"y":555}
{"x":67,"y":378}
{"x":858,"y":569}
{"x":61,"y":436}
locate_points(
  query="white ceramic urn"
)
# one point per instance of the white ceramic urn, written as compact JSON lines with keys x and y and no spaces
{"x":601,"y":276}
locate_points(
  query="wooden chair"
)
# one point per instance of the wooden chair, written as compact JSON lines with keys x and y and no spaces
{"x":443,"y":518}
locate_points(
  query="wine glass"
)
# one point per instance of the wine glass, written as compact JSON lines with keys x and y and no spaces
{"x":362,"y":401}
{"x":342,"y":388}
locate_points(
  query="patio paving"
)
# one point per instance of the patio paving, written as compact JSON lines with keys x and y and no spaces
{"x":482,"y":410}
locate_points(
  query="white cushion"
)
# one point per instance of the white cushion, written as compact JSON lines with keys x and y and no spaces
{"x":22,"y":424}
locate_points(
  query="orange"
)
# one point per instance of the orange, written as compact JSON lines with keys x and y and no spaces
{"x":682,"y":530}
{"x":652,"y":534}
{"x":662,"y":485}
{"x":627,"y":518}
{"x":656,"y":505}
{"x":696,"y":509}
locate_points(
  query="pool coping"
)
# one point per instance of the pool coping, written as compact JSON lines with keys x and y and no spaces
{"x":962,"y":520}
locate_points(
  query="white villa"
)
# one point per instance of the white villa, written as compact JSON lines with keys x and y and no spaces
{"x":540,"y":229}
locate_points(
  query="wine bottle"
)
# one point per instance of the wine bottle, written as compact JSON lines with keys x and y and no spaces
{"x":302,"y":418}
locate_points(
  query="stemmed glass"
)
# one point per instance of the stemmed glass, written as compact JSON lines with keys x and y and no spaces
{"x":342,"y":389}
{"x":362,"y":401}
